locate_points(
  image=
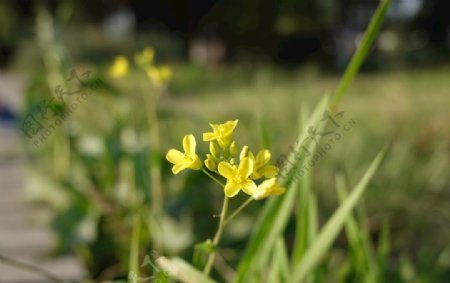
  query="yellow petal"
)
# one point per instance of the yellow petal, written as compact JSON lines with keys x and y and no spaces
{"x":263,"y":157}
{"x":189,"y":145}
{"x":196,"y":164}
{"x":268,"y":171}
{"x":179,"y":167}
{"x":165,"y":73}
{"x":209,"y":136}
{"x":224,"y":142}
{"x":119,"y":68}
{"x":229,"y":127}
{"x":268,"y":188}
{"x":249,"y":187}
{"x":244,"y":152}
{"x":245,"y":167}
{"x":174,"y":156}
{"x":226,"y":170}
{"x":231,"y":189}
{"x":145,"y":58}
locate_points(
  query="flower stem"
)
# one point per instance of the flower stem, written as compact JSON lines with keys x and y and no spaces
{"x":213,"y":178}
{"x":134,"y":248}
{"x":236,"y":212}
{"x":216,"y":240}
{"x":156,"y":190}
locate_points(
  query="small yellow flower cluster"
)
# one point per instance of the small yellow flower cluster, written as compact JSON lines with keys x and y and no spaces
{"x":241,"y":171}
{"x":159,"y":76}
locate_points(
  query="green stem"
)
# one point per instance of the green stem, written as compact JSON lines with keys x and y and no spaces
{"x":216,"y":240}
{"x":213,"y":178}
{"x":134,"y":248}
{"x":236,"y":212}
{"x":26,"y":266}
{"x":156,"y":190}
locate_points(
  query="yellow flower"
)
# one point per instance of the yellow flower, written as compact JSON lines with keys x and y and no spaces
{"x":185,"y":160}
{"x":119,"y":67}
{"x":159,"y":76}
{"x":223,"y":133}
{"x":145,"y":58}
{"x":261,"y":167}
{"x":237,"y":178}
{"x":268,"y":188}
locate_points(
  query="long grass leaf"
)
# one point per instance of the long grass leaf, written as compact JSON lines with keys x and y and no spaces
{"x":362,"y":51}
{"x":331,"y":229}
{"x":276,"y":212}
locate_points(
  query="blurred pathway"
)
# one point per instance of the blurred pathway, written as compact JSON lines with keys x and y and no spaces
{"x":19,"y":239}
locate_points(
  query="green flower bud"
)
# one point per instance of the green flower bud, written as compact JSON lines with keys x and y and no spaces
{"x":244,"y":152}
{"x":226,"y":153}
{"x":210,"y":164}
{"x":214,"y":149}
{"x":233,"y":149}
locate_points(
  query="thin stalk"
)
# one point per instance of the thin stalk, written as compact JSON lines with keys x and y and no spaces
{"x":156,"y":191}
{"x":136,"y":226}
{"x":213,"y":178}
{"x":29,"y":267}
{"x":236,"y":212}
{"x":216,"y":240}
{"x":134,"y":249}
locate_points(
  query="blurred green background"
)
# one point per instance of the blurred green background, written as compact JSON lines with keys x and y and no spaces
{"x":262,"y":62}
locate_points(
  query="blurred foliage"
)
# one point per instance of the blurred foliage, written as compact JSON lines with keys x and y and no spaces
{"x":93,"y":171}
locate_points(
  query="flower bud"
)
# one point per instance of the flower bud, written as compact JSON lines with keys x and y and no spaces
{"x":210,"y":164}
{"x":233,"y":149}
{"x":244,"y":152}
{"x":214,"y":149}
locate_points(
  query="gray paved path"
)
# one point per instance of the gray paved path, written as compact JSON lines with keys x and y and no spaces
{"x":19,"y":237}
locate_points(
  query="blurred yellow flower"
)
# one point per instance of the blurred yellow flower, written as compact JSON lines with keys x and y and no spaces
{"x":119,"y":67}
{"x":223,"y":133}
{"x":159,"y":75}
{"x":268,"y":188}
{"x":185,"y":160}
{"x":145,"y":58}
{"x":237,"y":178}
{"x":261,"y":168}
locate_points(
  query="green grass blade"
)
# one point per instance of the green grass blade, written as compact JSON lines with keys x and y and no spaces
{"x":331,"y":229}
{"x":182,"y":271}
{"x":304,"y":226}
{"x":264,"y":134}
{"x":362,"y":51}
{"x":363,"y":258}
{"x":276,"y":212}
{"x":281,"y":257}
{"x":291,"y":162}
{"x":383,"y":249}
